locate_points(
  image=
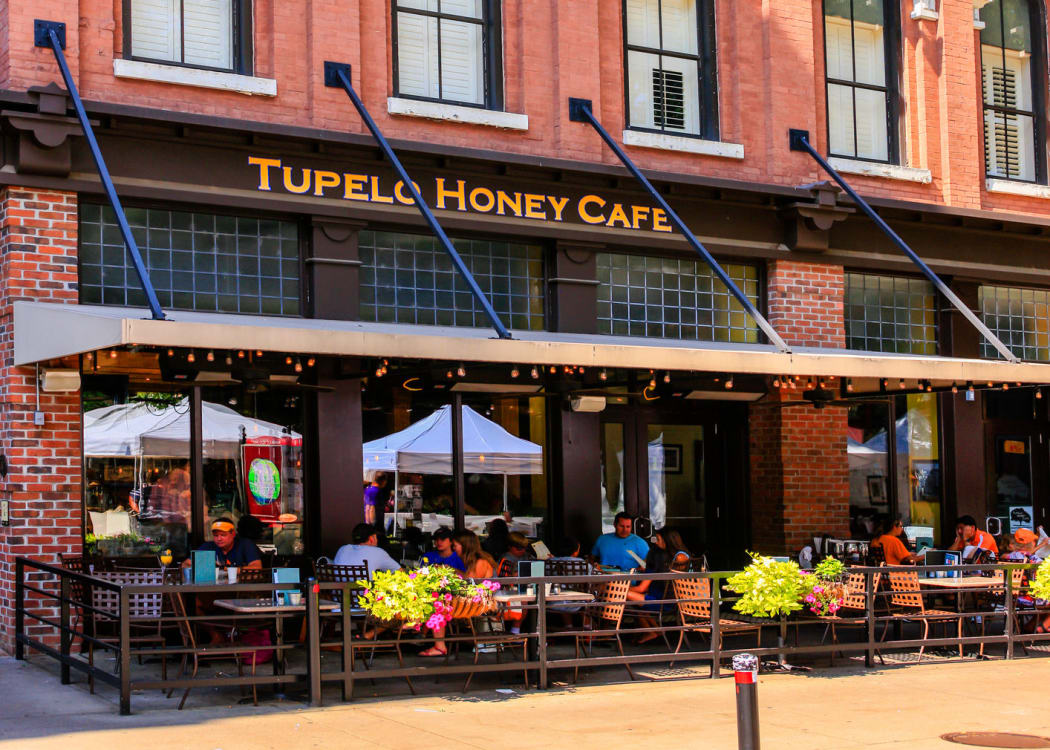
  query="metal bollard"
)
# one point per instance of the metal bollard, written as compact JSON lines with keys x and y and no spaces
{"x":745,"y":668}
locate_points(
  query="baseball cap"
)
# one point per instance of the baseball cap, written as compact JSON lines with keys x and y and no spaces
{"x":1024,"y":536}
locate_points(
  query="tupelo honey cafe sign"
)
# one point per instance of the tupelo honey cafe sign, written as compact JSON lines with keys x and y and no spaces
{"x":451,"y":194}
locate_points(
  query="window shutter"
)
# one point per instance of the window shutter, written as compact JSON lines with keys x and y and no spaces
{"x":668,"y":99}
{"x":1007,"y":146}
{"x":208,"y":32}
{"x":839,"y":49}
{"x":417,"y":57}
{"x":462,"y":63}
{"x":155,"y":30}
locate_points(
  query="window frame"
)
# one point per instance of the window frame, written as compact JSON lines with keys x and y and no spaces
{"x":491,"y":23}
{"x":1038,"y":113}
{"x":707,"y":71}
{"x":241,"y":29}
{"x":892,"y":57}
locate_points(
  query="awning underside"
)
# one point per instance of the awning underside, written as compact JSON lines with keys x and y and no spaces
{"x":47,"y":331}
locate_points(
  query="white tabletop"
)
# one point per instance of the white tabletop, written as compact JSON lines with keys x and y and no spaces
{"x":972,"y":582}
{"x":266,"y":605}
{"x":512,"y":597}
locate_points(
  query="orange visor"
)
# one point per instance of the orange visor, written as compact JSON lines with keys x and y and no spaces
{"x":226,"y":526}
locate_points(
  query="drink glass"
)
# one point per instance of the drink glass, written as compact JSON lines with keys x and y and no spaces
{"x":231,"y":574}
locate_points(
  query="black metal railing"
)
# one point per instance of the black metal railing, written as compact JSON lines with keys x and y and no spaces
{"x":55,"y":609}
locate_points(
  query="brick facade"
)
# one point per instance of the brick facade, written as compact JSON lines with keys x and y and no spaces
{"x":38,"y":261}
{"x":799,"y":465}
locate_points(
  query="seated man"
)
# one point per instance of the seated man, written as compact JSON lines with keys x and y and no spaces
{"x":968,"y":535}
{"x":231,"y":550}
{"x":893,"y":549}
{"x":365,"y":549}
{"x":443,"y":554}
{"x":621,"y":549}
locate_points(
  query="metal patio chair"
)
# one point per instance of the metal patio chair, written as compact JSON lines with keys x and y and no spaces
{"x":907,"y":598}
{"x":607,"y":614}
{"x":145,"y":613}
{"x":694,"y":612}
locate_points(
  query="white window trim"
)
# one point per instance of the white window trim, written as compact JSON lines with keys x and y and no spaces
{"x":208,"y":79}
{"x":878,"y":169}
{"x":681,"y":144}
{"x":1013,"y":187}
{"x":456,"y":113}
{"x":924,"y":10}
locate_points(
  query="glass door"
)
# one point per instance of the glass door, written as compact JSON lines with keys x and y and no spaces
{"x":677,"y":486}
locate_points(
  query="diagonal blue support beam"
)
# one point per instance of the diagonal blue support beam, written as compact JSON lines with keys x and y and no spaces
{"x":53,"y":34}
{"x":337,"y":75}
{"x":799,"y":141}
{"x":580,"y":111}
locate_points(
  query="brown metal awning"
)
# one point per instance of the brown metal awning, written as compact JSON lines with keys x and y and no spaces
{"x":47,"y":331}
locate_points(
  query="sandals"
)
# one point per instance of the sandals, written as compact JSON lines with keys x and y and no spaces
{"x":433,"y":653}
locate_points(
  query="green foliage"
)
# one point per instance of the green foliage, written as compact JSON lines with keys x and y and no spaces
{"x":829,"y":569}
{"x":1040,"y":587}
{"x":768,"y":588}
{"x":419,"y":597}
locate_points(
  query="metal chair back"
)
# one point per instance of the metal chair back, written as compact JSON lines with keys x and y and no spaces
{"x":904,"y":585}
{"x":694,"y":599}
{"x":331,"y":573}
{"x":612,"y":599}
{"x":140,"y":606}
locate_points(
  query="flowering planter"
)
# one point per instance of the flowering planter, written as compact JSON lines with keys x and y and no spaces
{"x":463,"y":607}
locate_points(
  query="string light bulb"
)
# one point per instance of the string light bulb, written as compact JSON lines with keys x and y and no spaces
{"x":900,"y":384}
{"x":240,"y":354}
{"x":449,"y":374}
{"x":535,"y":373}
{"x":1039,"y":393}
{"x":969,"y":387}
{"x":955,"y":388}
{"x":171,"y":352}
{"x":1006,"y":386}
{"x":776,"y":382}
{"x":461,"y":370}
{"x":229,"y":360}
{"x":514,"y":371}
{"x":112,"y":353}
{"x":210,"y":356}
{"x":667,"y":376}
{"x":311,"y":362}
{"x":603,"y":376}
{"x":849,"y":385}
{"x":191,"y":357}
{"x":729,"y":383}
{"x":298,"y":365}
{"x":288,"y":360}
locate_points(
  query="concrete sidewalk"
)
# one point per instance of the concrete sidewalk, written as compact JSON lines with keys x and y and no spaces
{"x":901,"y":707}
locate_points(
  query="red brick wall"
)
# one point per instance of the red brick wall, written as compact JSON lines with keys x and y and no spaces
{"x":799,"y":467}
{"x":38,"y":261}
{"x":554,"y":50}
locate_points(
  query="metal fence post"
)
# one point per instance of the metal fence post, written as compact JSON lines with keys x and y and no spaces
{"x":20,"y":613}
{"x":1011,"y":613}
{"x":541,"y":631}
{"x":313,"y":641}
{"x":745,"y":670}
{"x":63,"y":620}
{"x":125,"y":652}
{"x":716,"y":627}
{"x":869,"y":610}
{"x":348,"y":645}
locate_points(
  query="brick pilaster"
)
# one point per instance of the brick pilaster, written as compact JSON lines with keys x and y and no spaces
{"x":799,"y":465}
{"x":38,"y":261}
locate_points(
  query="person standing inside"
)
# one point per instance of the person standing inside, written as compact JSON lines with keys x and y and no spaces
{"x":622,"y":548}
{"x":374,"y":493}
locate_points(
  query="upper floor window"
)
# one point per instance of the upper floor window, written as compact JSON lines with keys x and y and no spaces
{"x":214,"y":34}
{"x":1019,"y":317}
{"x":449,"y":50}
{"x":890,"y":314}
{"x":861,"y":76}
{"x":671,"y":77}
{"x":1012,"y":91}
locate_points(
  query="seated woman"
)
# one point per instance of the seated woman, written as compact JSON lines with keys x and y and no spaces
{"x":478,"y":564}
{"x":669,"y":553}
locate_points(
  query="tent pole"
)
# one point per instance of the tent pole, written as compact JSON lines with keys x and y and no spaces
{"x":394,"y":530}
{"x":458,"y":486}
{"x":504,"y":493}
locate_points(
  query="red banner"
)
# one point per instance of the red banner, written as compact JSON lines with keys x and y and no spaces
{"x":263,"y":480}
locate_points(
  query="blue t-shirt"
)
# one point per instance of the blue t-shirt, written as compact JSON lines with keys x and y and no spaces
{"x":241,"y":553}
{"x":612,"y":550}
{"x":434,"y":558}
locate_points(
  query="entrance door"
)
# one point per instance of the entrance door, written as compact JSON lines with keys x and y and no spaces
{"x":1017,"y":463}
{"x":677,"y":469}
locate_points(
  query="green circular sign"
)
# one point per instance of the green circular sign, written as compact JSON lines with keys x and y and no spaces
{"x":264,"y":481}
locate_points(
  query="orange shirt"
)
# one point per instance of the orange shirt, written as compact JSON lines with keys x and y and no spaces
{"x":893,"y":549}
{"x":984,"y":540}
{"x":481,"y":568}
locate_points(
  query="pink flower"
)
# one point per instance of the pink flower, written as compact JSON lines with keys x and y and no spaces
{"x":476,"y":599}
{"x":448,"y":597}
{"x":411,"y":575}
{"x":818,"y":590}
{"x":434,"y":594}
{"x":444,"y":581}
{"x":810,"y":599}
{"x":495,"y":586}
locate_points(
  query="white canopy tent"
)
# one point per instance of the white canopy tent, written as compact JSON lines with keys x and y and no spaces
{"x":140,"y":429}
{"x":426,"y":448}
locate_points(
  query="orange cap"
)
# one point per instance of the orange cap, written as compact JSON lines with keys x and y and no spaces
{"x":1024,"y":536}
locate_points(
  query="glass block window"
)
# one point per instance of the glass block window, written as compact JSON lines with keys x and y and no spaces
{"x":409,"y":278}
{"x":673,"y":299}
{"x":1020,"y":318}
{"x":196,"y":261}
{"x":890,"y":314}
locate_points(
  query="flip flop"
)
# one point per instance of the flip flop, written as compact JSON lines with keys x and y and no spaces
{"x":433,"y":652}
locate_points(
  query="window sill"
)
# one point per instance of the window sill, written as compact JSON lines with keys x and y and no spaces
{"x":875,"y":169}
{"x":682,"y":144}
{"x":208,"y":79}
{"x":456,"y":113}
{"x":1012,"y":187}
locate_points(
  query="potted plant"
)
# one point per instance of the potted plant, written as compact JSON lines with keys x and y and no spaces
{"x":430,"y":596}
{"x":825,"y":587}
{"x":769,"y":588}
